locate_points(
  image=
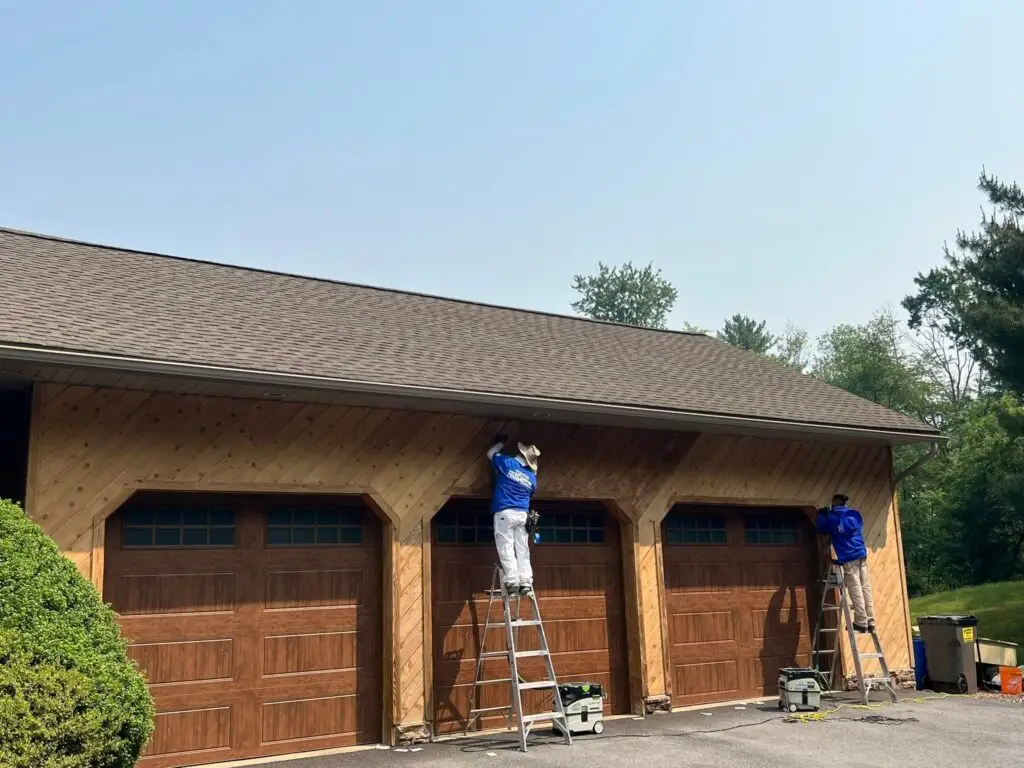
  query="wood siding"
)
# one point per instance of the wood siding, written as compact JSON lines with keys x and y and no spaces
{"x":92,"y":448}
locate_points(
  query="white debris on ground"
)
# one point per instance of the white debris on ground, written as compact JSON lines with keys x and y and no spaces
{"x":1018,"y":699}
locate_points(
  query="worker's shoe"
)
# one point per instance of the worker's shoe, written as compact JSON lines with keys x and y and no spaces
{"x":511,"y":590}
{"x":859,"y":627}
{"x":525,"y":590}
{"x":871,"y":625}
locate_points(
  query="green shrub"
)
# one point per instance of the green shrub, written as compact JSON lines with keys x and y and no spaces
{"x":69,"y":695}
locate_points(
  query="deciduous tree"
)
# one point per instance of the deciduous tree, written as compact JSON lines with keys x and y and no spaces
{"x":625,"y":294}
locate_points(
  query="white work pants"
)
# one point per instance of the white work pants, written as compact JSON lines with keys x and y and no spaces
{"x":513,"y":545}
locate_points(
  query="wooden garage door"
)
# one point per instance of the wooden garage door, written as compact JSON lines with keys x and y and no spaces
{"x":740,"y":586}
{"x":578,"y":579}
{"x":257,"y":622}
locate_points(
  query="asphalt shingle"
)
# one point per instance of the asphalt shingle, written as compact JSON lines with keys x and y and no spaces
{"x":68,"y":295}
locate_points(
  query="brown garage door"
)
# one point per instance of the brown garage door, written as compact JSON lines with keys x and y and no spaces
{"x":578,"y":578}
{"x":257,"y":621}
{"x":738,"y":583}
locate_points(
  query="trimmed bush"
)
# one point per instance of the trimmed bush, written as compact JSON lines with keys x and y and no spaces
{"x":69,"y":695}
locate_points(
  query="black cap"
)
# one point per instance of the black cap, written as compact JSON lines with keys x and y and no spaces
{"x":842,"y":497}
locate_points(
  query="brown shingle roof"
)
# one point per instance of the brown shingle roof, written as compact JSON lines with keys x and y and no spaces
{"x":67,"y":295}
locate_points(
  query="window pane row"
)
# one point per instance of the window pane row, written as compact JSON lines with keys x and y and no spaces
{"x":696,"y":523}
{"x":300,"y":535}
{"x":302,"y":516}
{"x":303,"y":526}
{"x":687,"y":536}
{"x":572,"y":528}
{"x":477,"y":527}
{"x":177,"y":517}
{"x":695,"y":529}
{"x":157,"y":536}
{"x":772,"y":529}
{"x":200,"y":527}
{"x":466,"y":527}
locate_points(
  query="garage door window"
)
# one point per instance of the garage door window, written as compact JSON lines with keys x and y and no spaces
{"x":295,"y":526}
{"x":464,"y":526}
{"x":771,"y":529}
{"x":695,"y":529}
{"x":572,"y":528}
{"x":171,"y":527}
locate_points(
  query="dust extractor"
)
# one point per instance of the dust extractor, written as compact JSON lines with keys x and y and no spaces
{"x":799,"y":689}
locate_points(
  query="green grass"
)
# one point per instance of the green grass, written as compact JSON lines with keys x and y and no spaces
{"x":999,"y":608}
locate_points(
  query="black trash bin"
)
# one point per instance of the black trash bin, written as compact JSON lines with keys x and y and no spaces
{"x":949,"y":648}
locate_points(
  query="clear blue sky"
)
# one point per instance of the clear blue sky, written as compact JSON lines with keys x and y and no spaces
{"x":789,"y":160}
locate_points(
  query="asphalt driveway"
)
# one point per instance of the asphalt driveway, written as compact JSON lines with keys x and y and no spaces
{"x":955,"y":731}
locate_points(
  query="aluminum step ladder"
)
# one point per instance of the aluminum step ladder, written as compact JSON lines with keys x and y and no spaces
{"x":832,"y":586}
{"x":511,"y":606}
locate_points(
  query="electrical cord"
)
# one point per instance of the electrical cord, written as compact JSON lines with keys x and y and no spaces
{"x":661,"y":734}
{"x":825,"y":714}
{"x":801,"y":717}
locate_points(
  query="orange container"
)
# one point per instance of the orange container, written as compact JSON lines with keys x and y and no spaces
{"x":1010,"y":680}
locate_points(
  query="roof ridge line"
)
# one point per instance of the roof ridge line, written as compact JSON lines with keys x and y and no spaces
{"x":335,"y":281}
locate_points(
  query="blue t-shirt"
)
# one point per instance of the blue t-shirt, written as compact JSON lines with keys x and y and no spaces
{"x":514,"y":484}
{"x":846,"y":527}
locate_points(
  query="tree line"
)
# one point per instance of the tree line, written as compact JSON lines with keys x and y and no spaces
{"x":956,"y":362}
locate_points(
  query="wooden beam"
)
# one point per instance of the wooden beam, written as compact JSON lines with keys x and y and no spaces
{"x":634,"y":616}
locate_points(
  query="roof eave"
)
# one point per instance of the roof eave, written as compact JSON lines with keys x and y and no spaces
{"x":681,"y":419}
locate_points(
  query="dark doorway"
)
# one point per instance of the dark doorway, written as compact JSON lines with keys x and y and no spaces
{"x":15,"y":415}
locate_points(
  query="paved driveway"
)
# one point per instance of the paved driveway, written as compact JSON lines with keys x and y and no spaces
{"x":956,"y":731}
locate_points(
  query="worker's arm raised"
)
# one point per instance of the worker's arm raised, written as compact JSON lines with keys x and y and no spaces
{"x":821,"y":523}
{"x":498,"y":443}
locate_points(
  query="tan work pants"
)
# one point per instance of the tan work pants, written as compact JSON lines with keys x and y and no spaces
{"x":858,"y":588}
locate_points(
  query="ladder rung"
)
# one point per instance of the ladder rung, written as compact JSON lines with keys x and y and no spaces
{"x":496,"y":680}
{"x":872,"y":655}
{"x":529,"y":654}
{"x":830,"y":607}
{"x":825,"y":650}
{"x":542,"y":716}
{"x":827,"y":629}
{"x":526,"y":623}
{"x":489,"y":709}
{"x":884,"y":680}
{"x":493,"y":654}
{"x":538,"y":684}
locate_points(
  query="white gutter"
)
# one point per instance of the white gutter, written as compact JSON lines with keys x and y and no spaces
{"x":46,"y":356}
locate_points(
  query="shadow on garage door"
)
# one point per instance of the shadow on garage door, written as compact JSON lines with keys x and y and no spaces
{"x":740,"y":586}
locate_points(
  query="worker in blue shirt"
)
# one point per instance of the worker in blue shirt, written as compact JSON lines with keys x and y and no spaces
{"x":515,"y":481}
{"x":845,"y":527}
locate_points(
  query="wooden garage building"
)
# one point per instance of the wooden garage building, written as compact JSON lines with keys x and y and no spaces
{"x":279,"y":484}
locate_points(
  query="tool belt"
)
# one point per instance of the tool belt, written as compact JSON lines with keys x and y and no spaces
{"x":532,"y":520}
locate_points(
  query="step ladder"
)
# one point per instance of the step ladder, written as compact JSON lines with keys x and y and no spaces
{"x":822,"y":650}
{"x":511,"y":606}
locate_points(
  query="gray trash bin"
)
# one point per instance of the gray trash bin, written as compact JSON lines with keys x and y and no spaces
{"x":949,"y":648}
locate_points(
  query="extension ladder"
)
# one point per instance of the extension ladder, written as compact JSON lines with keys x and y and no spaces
{"x":512,"y":653}
{"x":832,"y":585}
